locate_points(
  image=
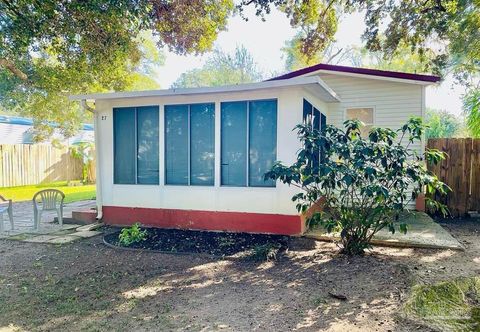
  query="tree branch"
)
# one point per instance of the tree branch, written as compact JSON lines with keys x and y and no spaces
{"x":7,"y":64}
{"x":327,"y":8}
{"x":334,"y":55}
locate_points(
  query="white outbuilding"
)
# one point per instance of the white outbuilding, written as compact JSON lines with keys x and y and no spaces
{"x":195,"y":158}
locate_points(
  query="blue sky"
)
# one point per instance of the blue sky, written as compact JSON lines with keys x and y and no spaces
{"x":264,"y":40}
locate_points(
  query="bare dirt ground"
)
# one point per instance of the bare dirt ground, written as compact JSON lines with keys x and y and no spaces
{"x":88,"y":286}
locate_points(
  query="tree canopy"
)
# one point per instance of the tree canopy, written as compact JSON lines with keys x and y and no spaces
{"x":296,"y":59}
{"x":52,"y":48}
{"x":442,"y":124}
{"x":436,"y":36}
{"x":222,"y":69}
{"x":44,"y":96}
{"x":471,"y":105}
{"x":445,"y":33}
{"x":403,"y":60}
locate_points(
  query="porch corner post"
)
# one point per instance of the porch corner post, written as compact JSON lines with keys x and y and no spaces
{"x":98,"y":183}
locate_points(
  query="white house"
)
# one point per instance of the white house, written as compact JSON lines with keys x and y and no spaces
{"x":195,"y":158}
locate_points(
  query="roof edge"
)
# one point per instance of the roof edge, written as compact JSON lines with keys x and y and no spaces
{"x":204,"y":90}
{"x":361,"y":71}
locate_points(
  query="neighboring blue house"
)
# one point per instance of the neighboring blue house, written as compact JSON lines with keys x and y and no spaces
{"x":17,"y":130}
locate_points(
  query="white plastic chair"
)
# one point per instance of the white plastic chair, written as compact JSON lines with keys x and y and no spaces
{"x":6,"y":206}
{"x":50,"y":200}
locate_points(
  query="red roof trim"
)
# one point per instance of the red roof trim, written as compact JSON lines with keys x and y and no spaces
{"x":356,"y":70}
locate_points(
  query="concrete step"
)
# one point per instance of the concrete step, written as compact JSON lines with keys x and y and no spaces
{"x":85,"y":216}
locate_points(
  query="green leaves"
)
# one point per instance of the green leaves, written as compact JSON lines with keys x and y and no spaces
{"x":131,"y":235}
{"x":51,"y":49}
{"x":434,"y":156}
{"x":364,"y":182}
{"x":222,"y":69}
{"x":316,"y":19}
{"x":442,"y":124}
{"x":189,"y":26}
{"x":415,"y":128}
{"x":471,"y":107}
{"x":454,"y":24}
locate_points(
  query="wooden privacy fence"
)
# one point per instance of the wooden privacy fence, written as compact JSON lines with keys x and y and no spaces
{"x":460,"y":171}
{"x":25,"y":164}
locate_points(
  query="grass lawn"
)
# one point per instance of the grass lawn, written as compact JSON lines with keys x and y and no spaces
{"x":72,"y":193}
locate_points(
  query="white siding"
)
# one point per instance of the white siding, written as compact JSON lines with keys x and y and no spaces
{"x":393,"y":102}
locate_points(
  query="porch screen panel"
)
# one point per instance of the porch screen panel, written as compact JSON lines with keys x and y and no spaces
{"x":262,"y":141}
{"x":316,"y":119}
{"x":316,"y":126}
{"x":313,"y":118}
{"x":234,"y":143}
{"x":323,"y":127}
{"x":202,"y":144}
{"x":323,"y":123}
{"x":147,"y":145}
{"x":176,"y":144}
{"x":307,"y":112}
{"x":124,"y":145}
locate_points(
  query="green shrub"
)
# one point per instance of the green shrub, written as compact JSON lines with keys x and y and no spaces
{"x":130,"y":235}
{"x":225,"y":242}
{"x":362,"y":183}
{"x":265,"y":252}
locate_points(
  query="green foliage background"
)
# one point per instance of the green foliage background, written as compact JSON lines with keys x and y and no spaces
{"x":50,"y":49}
{"x":222,"y":68}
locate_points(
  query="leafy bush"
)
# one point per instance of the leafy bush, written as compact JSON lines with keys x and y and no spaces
{"x":133,"y":234}
{"x":265,"y":252}
{"x":361,"y":184}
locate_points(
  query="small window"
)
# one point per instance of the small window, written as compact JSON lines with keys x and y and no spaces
{"x":363,"y":114}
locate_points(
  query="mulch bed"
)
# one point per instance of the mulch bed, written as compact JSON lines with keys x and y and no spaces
{"x":212,"y":243}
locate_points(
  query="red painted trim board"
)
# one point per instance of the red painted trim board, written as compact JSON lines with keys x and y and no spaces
{"x":204,"y":220}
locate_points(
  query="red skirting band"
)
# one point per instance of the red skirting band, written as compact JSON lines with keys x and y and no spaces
{"x":204,"y":220}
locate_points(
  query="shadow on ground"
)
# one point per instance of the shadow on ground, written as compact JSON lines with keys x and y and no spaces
{"x":87,"y":286}
{"x":100,"y":288}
